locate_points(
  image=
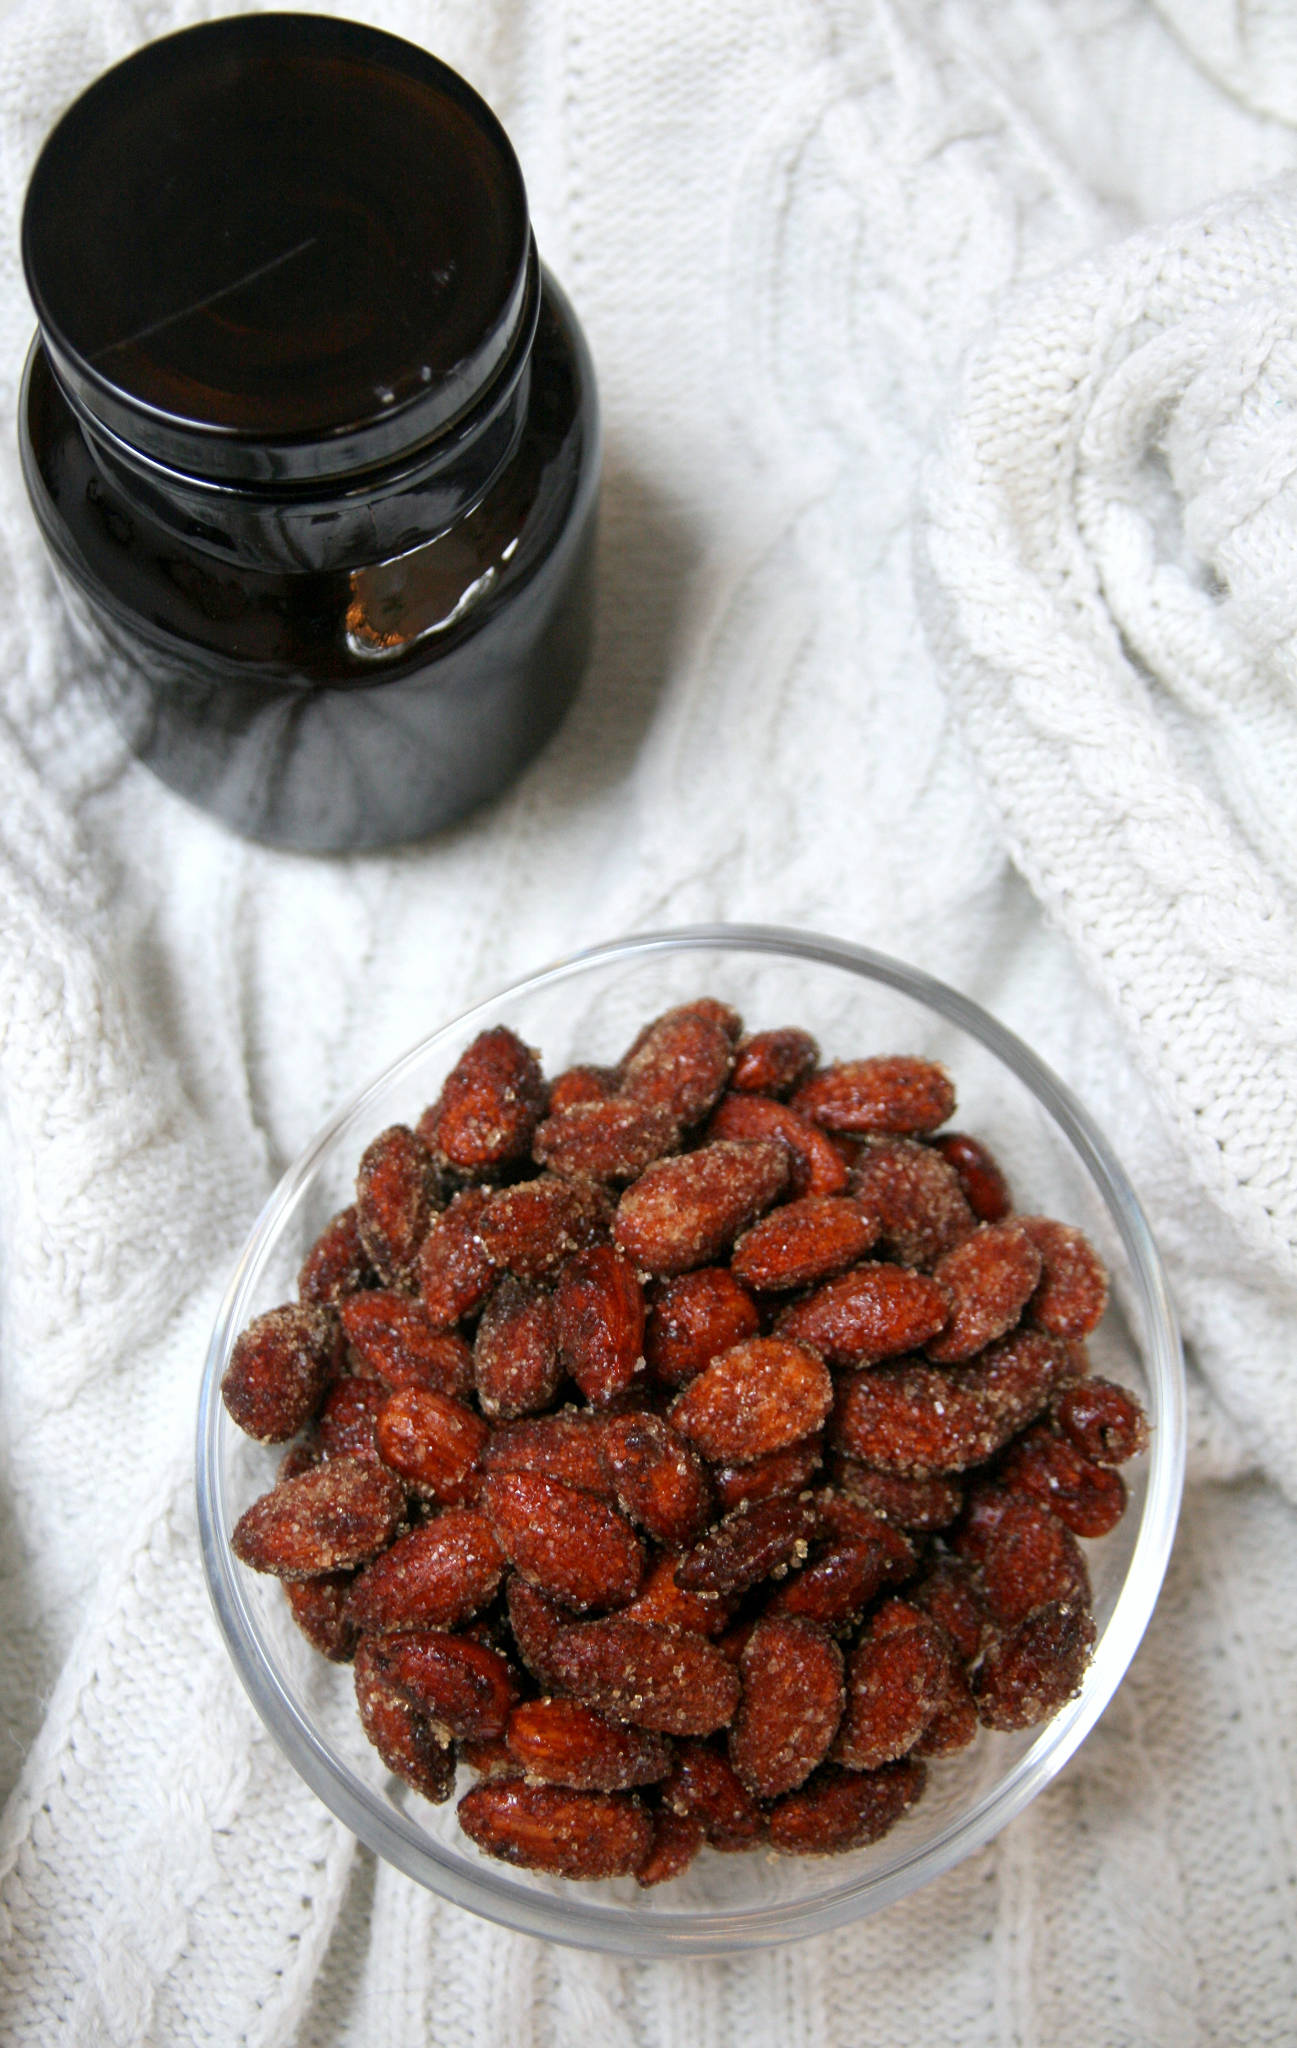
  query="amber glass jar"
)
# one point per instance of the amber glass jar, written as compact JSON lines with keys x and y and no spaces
{"x":311,"y":436}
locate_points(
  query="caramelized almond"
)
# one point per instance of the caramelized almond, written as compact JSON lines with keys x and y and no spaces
{"x":792,"y":1703}
{"x":990,"y":1276}
{"x":838,"y":1810}
{"x":279,"y":1369}
{"x":1089,"y":1499}
{"x":662,"y":1598}
{"x":567,"y":1446}
{"x":460,"y":1687}
{"x":402,"y":1342}
{"x":923,"y":1419}
{"x":346,"y":1424}
{"x":802,"y":1242}
{"x":920,"y":1205}
{"x":599,"y":1320}
{"x":337,"y":1263}
{"x":1103,"y":1421}
{"x":788,"y":1470}
{"x":606,"y":1140}
{"x":872,"y":1313}
{"x":1025,"y":1556}
{"x":438,"y":1577}
{"x":665,"y":1679}
{"x":682,"y":1060}
{"x":659,"y":1481}
{"x":896,"y":1095}
{"x":395,"y":1194}
{"x":434,"y":1442}
{"x":1029,"y":1672}
{"x":896,"y":1679}
{"x":531,"y":1227}
{"x":750,"y":1544}
{"x":402,"y":1736}
{"x":327,"y":1519}
{"x":983,"y":1183}
{"x":581,"y":1835}
{"x":569,"y":1544}
{"x":454,"y":1273}
{"x":489,"y":1105}
{"x":563,"y":1742}
{"x":677,"y":1838}
{"x":757,"y":1397}
{"x":704,"y":1786}
{"x":693,"y":1318}
{"x":687,"y":1211}
{"x":1073,"y":1290}
{"x":816,"y":1167}
{"x":774,"y":1062}
{"x":516,"y":1365}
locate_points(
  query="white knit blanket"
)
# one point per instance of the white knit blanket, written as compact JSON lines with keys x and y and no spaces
{"x":948,"y":351}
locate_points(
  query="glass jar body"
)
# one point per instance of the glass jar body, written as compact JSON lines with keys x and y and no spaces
{"x":340,"y":673}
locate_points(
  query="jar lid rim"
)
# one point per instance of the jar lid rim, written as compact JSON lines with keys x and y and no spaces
{"x":278,"y":247}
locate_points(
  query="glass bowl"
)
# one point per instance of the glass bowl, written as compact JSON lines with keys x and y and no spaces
{"x":587,"y":1008}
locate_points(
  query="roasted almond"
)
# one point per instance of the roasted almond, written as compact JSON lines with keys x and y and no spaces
{"x":582,"y":1835}
{"x":895,"y":1095}
{"x":802,"y":1242}
{"x":599,"y":1322}
{"x":755,"y":1398}
{"x":792,"y":1702}
{"x":670,"y":1680}
{"x":687,"y":1211}
{"x":395,"y":1197}
{"x":489,"y":1105}
{"x":563,"y":1742}
{"x":398,"y":1338}
{"x":279,"y":1369}
{"x":328,"y":1519}
{"x":434,"y":1442}
{"x":571,"y":1545}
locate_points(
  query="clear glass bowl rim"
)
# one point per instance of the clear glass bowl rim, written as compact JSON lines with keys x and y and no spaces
{"x":577,"y":1921}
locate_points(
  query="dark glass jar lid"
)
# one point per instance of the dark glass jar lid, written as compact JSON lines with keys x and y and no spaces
{"x":278,"y":247}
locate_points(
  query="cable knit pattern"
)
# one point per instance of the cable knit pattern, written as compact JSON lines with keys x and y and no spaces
{"x":1108,"y":552}
{"x":1250,"y":47}
{"x":1056,"y":766}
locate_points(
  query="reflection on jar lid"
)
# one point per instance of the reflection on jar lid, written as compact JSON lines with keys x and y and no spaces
{"x":278,"y":246}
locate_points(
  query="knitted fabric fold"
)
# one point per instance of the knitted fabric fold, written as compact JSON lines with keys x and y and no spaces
{"x":1107,"y":555}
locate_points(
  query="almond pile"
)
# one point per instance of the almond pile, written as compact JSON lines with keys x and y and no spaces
{"x":692,"y":1448}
